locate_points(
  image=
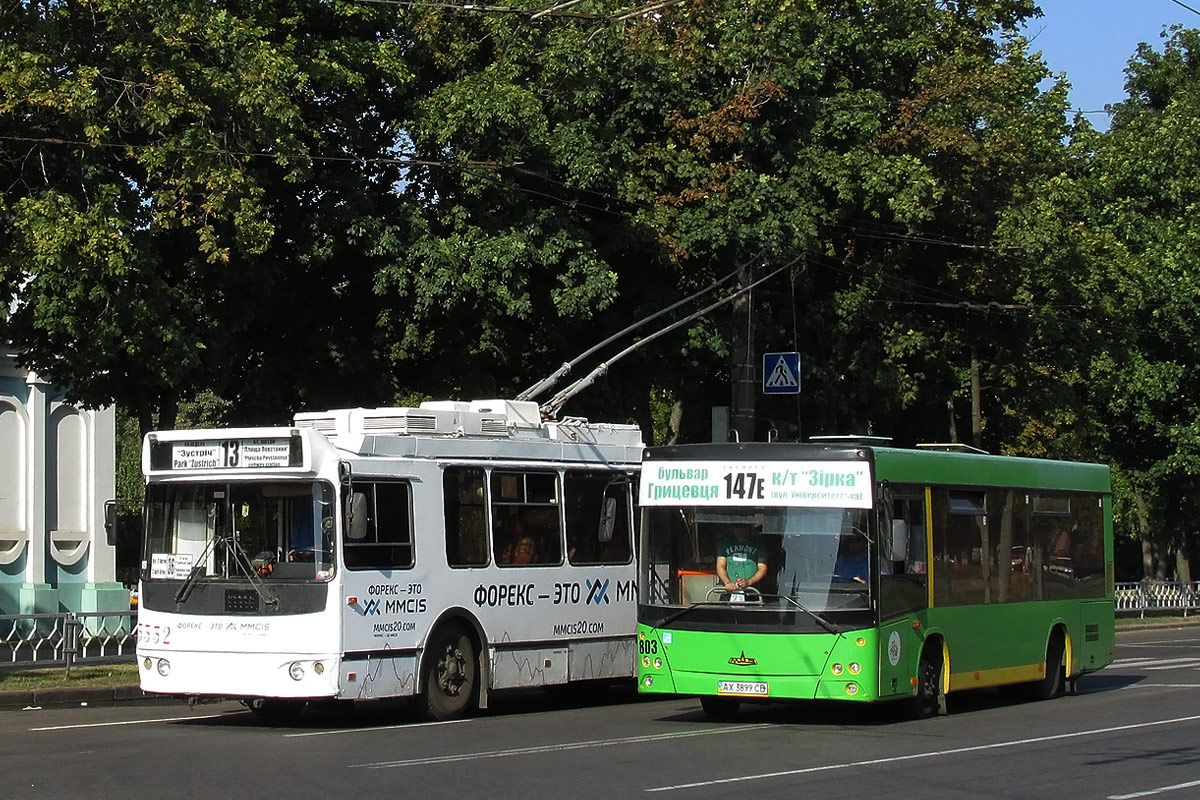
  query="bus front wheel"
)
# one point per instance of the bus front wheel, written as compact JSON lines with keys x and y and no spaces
{"x":927,"y":702}
{"x":449,"y":675}
{"x":719,"y":707}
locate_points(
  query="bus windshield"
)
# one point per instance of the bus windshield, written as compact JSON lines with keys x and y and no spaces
{"x":809,"y":559}
{"x":230,"y":531}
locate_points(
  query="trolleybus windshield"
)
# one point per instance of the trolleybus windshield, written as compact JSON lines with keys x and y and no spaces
{"x":250,"y":531}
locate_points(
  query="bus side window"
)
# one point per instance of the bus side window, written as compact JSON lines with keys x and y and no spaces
{"x":386,"y":542}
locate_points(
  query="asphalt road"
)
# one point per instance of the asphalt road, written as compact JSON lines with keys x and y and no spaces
{"x":1132,"y":731}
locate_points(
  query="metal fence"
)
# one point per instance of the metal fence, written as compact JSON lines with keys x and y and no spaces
{"x":1157,"y":596}
{"x":34,"y":640}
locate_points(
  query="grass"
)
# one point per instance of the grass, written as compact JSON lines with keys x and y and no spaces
{"x":42,"y":678}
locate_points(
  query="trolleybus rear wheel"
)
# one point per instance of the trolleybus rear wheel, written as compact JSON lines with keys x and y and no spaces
{"x":450,"y":675}
{"x":719,"y":707}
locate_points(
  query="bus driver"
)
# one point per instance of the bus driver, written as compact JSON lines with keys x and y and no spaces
{"x":741,"y":560}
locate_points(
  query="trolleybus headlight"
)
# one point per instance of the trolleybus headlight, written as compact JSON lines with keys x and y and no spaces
{"x":851,"y":688}
{"x":296,"y":671}
{"x":658,"y":663}
{"x":646,"y":661}
{"x":836,"y":669}
{"x":648,"y":681}
{"x":855,"y":668}
{"x":164,"y":667}
{"x":319,"y":668}
{"x":147,"y":663}
{"x":860,"y":641}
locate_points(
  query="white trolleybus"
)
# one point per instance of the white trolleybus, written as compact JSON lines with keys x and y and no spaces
{"x":437,"y":552}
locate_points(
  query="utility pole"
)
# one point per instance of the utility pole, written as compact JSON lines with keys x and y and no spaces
{"x":745,"y":385}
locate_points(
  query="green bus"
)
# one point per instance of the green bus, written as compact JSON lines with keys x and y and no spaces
{"x":847,"y":570}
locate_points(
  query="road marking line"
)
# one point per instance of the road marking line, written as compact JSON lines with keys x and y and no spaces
{"x":1149,"y":792}
{"x":559,"y":748}
{"x":1158,"y":667}
{"x":928,"y":754}
{"x":124,"y":722}
{"x":373,"y":730}
{"x":1150,"y":662}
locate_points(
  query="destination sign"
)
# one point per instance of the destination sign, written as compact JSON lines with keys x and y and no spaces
{"x":283,"y":451}
{"x":819,"y":484}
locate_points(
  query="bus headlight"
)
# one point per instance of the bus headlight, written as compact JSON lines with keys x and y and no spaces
{"x":658,"y":663}
{"x":147,"y":663}
{"x":319,"y":668}
{"x":855,"y":668}
{"x":296,"y":671}
{"x":648,"y":681}
{"x":836,"y":669}
{"x":851,"y":688}
{"x":164,"y":667}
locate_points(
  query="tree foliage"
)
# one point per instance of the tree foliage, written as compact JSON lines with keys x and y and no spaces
{"x":306,"y":205}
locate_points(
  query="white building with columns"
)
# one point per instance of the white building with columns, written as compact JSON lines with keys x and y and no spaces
{"x":57,"y":469}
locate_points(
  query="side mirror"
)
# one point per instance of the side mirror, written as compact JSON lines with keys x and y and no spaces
{"x":110,"y":522}
{"x":608,"y":519}
{"x":356,"y":530}
{"x":899,"y":540}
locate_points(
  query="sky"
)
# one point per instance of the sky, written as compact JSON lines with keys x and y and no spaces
{"x":1093,"y":40}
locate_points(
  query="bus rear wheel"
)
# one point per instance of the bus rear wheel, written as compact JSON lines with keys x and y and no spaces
{"x":449,"y":675}
{"x":1051,"y":684}
{"x":719,"y":707}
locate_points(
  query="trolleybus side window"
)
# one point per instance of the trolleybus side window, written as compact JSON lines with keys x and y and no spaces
{"x":379,"y":526}
{"x":597,"y":511}
{"x":466,"y":516}
{"x":526,"y":525}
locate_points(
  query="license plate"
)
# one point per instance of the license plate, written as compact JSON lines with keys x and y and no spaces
{"x":745,"y":688}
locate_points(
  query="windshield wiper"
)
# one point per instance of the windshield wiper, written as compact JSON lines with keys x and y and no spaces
{"x":243,"y":562}
{"x":189,"y":583}
{"x":824,"y":623}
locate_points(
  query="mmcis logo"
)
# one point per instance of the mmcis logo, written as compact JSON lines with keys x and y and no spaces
{"x":743,"y":660}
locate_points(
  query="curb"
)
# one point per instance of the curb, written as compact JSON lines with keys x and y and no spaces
{"x":79,"y":696}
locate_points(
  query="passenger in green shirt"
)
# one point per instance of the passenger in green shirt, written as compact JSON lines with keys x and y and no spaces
{"x":741,"y":560}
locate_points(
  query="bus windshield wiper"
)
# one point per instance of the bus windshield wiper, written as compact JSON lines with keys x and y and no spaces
{"x":824,"y":623}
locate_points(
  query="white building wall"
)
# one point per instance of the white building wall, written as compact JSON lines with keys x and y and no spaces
{"x":57,"y":469}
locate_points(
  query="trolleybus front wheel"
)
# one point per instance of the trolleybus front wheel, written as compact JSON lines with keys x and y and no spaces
{"x":275,"y":709}
{"x":449,"y":675}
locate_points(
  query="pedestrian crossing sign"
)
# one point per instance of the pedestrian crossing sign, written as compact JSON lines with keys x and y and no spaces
{"x":781,"y":373}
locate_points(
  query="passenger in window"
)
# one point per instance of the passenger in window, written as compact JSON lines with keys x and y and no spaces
{"x":741,"y":560}
{"x":852,"y":565}
{"x":520,"y":547}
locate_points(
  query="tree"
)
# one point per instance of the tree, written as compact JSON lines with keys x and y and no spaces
{"x":187,"y":193}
